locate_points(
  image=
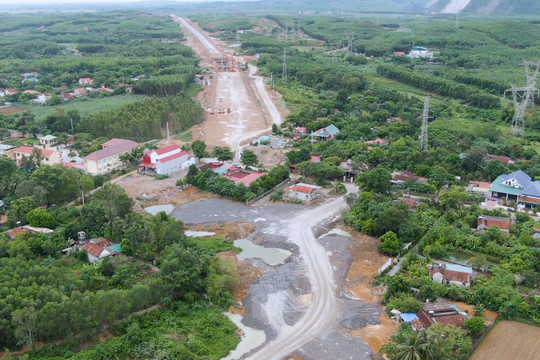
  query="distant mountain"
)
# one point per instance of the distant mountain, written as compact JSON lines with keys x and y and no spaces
{"x":482,"y":7}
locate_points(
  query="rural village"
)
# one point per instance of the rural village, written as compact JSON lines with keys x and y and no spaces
{"x":253,"y":207}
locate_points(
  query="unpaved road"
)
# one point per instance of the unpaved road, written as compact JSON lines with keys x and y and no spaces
{"x":324,"y":309}
{"x":252,"y":111}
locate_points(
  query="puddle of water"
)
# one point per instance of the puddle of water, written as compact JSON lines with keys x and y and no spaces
{"x":251,"y":339}
{"x":158,"y":208}
{"x":199,"y":233}
{"x":271,"y":256}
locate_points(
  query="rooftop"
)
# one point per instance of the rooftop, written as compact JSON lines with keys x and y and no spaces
{"x":119,"y":146}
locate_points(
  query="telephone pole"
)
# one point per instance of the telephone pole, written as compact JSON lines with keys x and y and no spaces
{"x":284,"y":74}
{"x":425,"y":123}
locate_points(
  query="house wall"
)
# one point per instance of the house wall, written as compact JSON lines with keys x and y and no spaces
{"x":53,"y":159}
{"x":190,"y":161}
{"x":91,"y":258}
{"x":103,"y":166}
{"x":170,"y":166}
{"x":459,"y":283}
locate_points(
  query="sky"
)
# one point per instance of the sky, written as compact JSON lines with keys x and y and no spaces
{"x":46,"y":2}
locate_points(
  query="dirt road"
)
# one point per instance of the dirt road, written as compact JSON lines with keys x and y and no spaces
{"x":239,"y":108}
{"x":324,"y":309}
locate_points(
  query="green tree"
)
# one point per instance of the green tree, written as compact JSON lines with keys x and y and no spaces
{"x":475,"y":324}
{"x":390,"y":244}
{"x":40,"y":218}
{"x":199,"y":148}
{"x":452,"y":198}
{"x":248,"y":158}
{"x":376,"y":180}
{"x":223,"y":153}
{"x":19,"y":208}
{"x":417,"y":346}
{"x":221,"y":281}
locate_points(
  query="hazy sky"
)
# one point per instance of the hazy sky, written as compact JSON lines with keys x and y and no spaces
{"x":42,"y":2}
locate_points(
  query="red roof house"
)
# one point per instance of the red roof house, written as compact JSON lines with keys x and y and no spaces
{"x":166,"y":160}
{"x":485,"y":222}
{"x":86,"y":81}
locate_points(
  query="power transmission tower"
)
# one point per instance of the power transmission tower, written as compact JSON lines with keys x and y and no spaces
{"x":523,"y":97}
{"x":350,"y":39}
{"x":531,"y":75}
{"x":284,"y":74}
{"x":425,"y":123}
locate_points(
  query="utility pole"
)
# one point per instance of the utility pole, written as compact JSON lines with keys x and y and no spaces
{"x":425,"y":123}
{"x":284,"y":74}
{"x":168,"y":137}
{"x":457,"y":20}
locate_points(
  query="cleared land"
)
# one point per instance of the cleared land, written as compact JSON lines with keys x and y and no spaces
{"x":510,"y":340}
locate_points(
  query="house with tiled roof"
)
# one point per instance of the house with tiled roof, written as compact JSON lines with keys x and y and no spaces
{"x":302,"y":191}
{"x":107,"y":159}
{"x":166,"y":160}
{"x":100,"y":248}
{"x":48,"y":157}
{"x":485,"y":222}
{"x":47,"y":140}
{"x":324,"y":134}
{"x":451,"y":274}
{"x":86,"y":81}
{"x":506,"y":160}
{"x":518,"y":187}
{"x":431,"y":313}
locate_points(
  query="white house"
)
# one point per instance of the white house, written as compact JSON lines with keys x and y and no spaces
{"x":47,"y":140}
{"x":166,"y":160}
{"x":451,"y":274}
{"x":302,"y":191}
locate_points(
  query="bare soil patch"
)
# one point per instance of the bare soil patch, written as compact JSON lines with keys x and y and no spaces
{"x":11,"y":110}
{"x":510,"y":340}
{"x":488,"y":315}
{"x":229,"y":230}
{"x":366,"y":261}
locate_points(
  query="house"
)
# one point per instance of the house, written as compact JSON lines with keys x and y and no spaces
{"x":100,"y":248}
{"x":47,"y":140}
{"x":277,"y":142}
{"x":34,"y":230}
{"x":6,"y":149}
{"x":434,"y":312}
{"x":518,"y":187}
{"x":377,"y":141}
{"x":11,"y":91}
{"x":302,"y":191}
{"x":451,"y":274}
{"x":315,"y":158}
{"x":485,"y":222}
{"x":166,"y":160}
{"x":30,"y":91}
{"x":352,"y":168}
{"x":398,"y":53}
{"x":401,"y":177}
{"x":478,"y":187}
{"x":409,"y":201}
{"x":327,"y":133}
{"x":211,"y":165}
{"x":506,"y":160}
{"x":42,"y":98}
{"x":107,"y":159}
{"x":300,"y":130}
{"x":242,"y":177}
{"x":394,"y":119}
{"x":78,"y":92}
{"x":49,"y":157}
{"x":30,"y":77}
{"x":86,"y":81}
{"x":420,"y":52}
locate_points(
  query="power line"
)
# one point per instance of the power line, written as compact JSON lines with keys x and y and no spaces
{"x":425,"y":123}
{"x":284,"y":73}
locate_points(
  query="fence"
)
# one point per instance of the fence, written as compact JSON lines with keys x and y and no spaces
{"x":250,"y":202}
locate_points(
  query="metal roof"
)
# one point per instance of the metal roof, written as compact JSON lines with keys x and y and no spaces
{"x":497,"y":187}
{"x":532,"y":189}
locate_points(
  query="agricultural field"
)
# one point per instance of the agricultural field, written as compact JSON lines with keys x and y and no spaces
{"x":509,"y":340}
{"x":83,"y":106}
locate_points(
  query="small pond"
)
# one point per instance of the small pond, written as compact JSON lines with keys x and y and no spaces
{"x":251,"y":339}
{"x":271,"y":256}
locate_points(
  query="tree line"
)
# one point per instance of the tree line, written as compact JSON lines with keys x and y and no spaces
{"x":440,"y":86}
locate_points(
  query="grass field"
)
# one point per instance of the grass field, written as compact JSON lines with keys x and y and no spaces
{"x":84,"y":106}
{"x":510,"y":340}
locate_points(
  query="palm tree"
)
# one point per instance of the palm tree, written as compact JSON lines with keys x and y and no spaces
{"x":417,"y":346}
